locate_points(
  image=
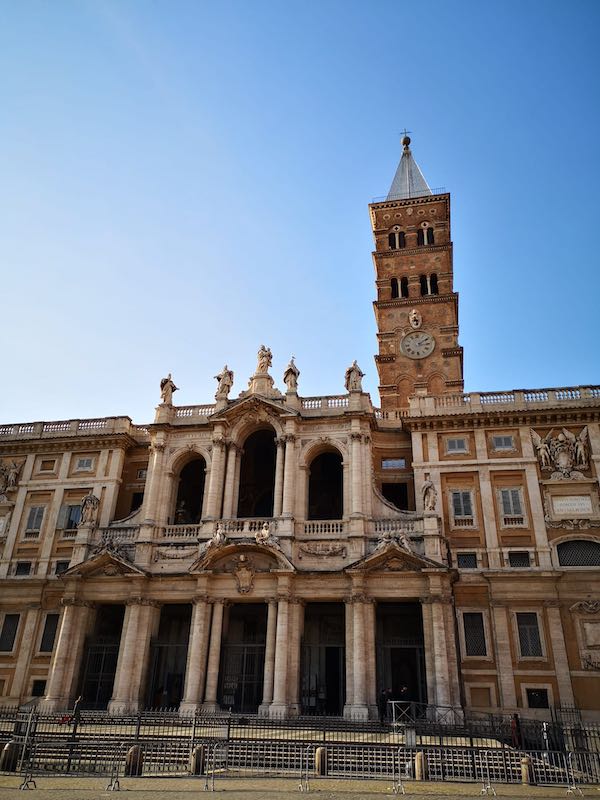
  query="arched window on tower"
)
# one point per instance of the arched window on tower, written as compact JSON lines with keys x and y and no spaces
{"x":404,"y":287}
{"x":429,"y":284}
{"x":425,"y":235}
{"x":424,"y":285}
{"x":420,"y":237}
{"x":396,"y":239}
{"x":394,"y":283}
{"x":433,"y":283}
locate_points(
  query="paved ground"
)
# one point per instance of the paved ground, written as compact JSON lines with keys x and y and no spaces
{"x":268,"y":789}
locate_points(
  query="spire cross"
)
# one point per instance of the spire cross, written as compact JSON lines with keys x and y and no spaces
{"x":405,"y":132}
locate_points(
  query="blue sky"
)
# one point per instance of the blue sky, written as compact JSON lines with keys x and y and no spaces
{"x":183,"y":181}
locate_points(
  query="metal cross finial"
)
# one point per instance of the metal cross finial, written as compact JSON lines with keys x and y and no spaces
{"x":405,"y":132}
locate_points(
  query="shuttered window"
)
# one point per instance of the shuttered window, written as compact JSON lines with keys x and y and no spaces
{"x":34,"y":520}
{"x":530,"y":642}
{"x":461,"y":504}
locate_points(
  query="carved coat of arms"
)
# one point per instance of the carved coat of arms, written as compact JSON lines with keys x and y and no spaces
{"x":564,"y":454}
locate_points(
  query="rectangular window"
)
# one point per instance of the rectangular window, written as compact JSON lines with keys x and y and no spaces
{"x":49,"y":634}
{"x":529,"y":634}
{"x":141,"y":474}
{"x":9,"y":632}
{"x":47,"y":465}
{"x":69,"y":517}
{"x":393,"y":463}
{"x":512,"y":507}
{"x":466,"y":560}
{"x":84,"y":464}
{"x":462,"y":505}
{"x":519,"y":559}
{"x":23,"y":568}
{"x":503,"y":442}
{"x":137,"y":498}
{"x":537,"y":698}
{"x":456,"y":446}
{"x":38,"y":688}
{"x":34,"y":520}
{"x":61,"y":566}
{"x":474,"y":634}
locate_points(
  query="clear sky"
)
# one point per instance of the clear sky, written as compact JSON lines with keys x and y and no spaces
{"x":183,"y":181}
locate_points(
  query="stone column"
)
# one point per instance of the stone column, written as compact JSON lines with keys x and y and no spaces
{"x":154,"y":480}
{"x":232,"y":457}
{"x":559,"y":652}
{"x":371,"y":656}
{"x":134,"y":651}
{"x":429,"y":649}
{"x":297,"y":624}
{"x":269,"y":672}
{"x":278,"y":496}
{"x":349,"y":656}
{"x":537,"y":515}
{"x":356,"y":472}
{"x":504,"y":666}
{"x":359,"y":706}
{"x":279,"y":706}
{"x":215,"y":484}
{"x":488,"y":506}
{"x":25,"y":651}
{"x":195,"y":672}
{"x":64,"y":669}
{"x":214,"y":657}
{"x":289,"y":478}
{"x":440,"y":649}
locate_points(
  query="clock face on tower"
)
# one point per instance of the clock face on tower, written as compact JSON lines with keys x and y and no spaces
{"x":417,"y":344}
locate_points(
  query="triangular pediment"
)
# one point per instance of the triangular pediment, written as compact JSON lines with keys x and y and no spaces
{"x":391,"y":557}
{"x":267,"y":558}
{"x":261,"y":407}
{"x":103,"y":563}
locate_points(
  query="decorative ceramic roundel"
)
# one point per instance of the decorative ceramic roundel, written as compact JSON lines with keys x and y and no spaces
{"x":417,"y":344}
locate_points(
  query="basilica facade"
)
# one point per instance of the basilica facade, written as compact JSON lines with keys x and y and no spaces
{"x":279,"y":554}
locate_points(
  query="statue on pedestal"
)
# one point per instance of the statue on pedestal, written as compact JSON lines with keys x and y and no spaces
{"x":265,"y":359}
{"x":429,"y":493}
{"x":225,"y":378}
{"x":353,"y":379}
{"x":290,"y":376}
{"x":89,"y":509}
{"x":167,"y":387}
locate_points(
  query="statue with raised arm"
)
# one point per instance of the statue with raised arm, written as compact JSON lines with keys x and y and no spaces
{"x":290,"y":376}
{"x":89,"y":509}
{"x":265,"y":359}
{"x":167,"y":387}
{"x":429,"y":493}
{"x":12,"y":475}
{"x":353,"y":379}
{"x":225,"y":378}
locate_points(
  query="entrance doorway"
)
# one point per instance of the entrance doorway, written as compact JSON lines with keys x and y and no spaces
{"x":400,"y":652}
{"x":168,"y":657}
{"x":243,"y":657}
{"x":99,"y":665}
{"x":323,"y":662}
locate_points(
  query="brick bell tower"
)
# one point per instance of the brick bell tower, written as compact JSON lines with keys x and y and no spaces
{"x":416,"y":308}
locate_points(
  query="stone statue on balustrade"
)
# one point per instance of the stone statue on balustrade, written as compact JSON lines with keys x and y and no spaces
{"x":263,"y":536}
{"x":394,"y":537}
{"x":265,"y":359}
{"x":290,"y":376}
{"x":429,"y":494}
{"x":167,"y":387}
{"x":225,"y":378}
{"x":353,"y":378}
{"x":217,"y":540}
{"x":89,"y":510}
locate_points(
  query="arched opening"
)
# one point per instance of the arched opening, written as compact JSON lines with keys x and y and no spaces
{"x":190,"y":492}
{"x":428,"y":235}
{"x":579,"y":553}
{"x":428,"y":284}
{"x":424,"y":285}
{"x":394,"y":283}
{"x":257,"y":475}
{"x":425,"y":236}
{"x":326,"y":487}
{"x":392,"y":241}
{"x":404,"y":287}
{"x":433,"y":282}
{"x":396,"y":240}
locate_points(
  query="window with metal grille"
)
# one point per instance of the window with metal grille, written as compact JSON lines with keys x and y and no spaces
{"x":529,"y":634}
{"x":69,"y":517}
{"x":49,"y":634}
{"x":519,"y":559}
{"x":61,"y":566}
{"x":23,"y":568}
{"x":84,"y":464}
{"x":503,"y":442}
{"x":474,"y":633}
{"x":456,"y":445}
{"x":34,"y":520}
{"x":466,"y":560}
{"x":462,"y":505}
{"x":8,"y":634}
{"x":537,"y":698}
{"x":579,"y":553}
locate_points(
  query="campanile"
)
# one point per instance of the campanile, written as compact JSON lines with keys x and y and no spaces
{"x":416,"y":307}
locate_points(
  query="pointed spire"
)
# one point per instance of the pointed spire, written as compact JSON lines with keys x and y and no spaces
{"x":408,"y":180}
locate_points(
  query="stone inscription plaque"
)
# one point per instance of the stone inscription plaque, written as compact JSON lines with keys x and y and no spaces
{"x":572,"y":505}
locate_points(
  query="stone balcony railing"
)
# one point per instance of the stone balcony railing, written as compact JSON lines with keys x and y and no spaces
{"x":517,"y":400}
{"x":73,"y":427}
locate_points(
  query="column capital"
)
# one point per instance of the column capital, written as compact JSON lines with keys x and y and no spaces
{"x":442,"y":599}
{"x":280,"y":441}
{"x":142,"y":601}
{"x":76,"y":601}
{"x":156,"y":447}
{"x":218,"y":441}
{"x":218,"y":601}
{"x":199,"y":599}
{"x":289,"y":437}
{"x":284,"y":596}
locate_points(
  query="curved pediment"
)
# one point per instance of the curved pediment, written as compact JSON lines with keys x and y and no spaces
{"x":264,"y":558}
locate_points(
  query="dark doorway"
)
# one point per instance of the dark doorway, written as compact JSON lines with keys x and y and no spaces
{"x":400,"y":652}
{"x":257,"y":475}
{"x":99,"y":665}
{"x":326,"y":487}
{"x":396,"y":493}
{"x":323,"y":669}
{"x":243,"y":657}
{"x":168,"y":657}
{"x":190,"y":493}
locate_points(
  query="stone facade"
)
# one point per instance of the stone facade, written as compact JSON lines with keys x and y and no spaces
{"x":282,"y":554}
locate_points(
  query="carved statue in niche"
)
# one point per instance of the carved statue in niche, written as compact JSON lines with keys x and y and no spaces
{"x":9,"y":477}
{"x":225,"y":378}
{"x":290,"y":376}
{"x":353,"y":378}
{"x":89,"y":509}
{"x":429,"y":493}
{"x":562,"y":453}
{"x":167,"y":387}
{"x":265,"y":359}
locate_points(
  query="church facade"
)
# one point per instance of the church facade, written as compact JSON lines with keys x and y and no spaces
{"x":280,"y":554}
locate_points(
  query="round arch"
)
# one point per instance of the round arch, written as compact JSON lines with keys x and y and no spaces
{"x":326,"y":484}
{"x":256,"y":491}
